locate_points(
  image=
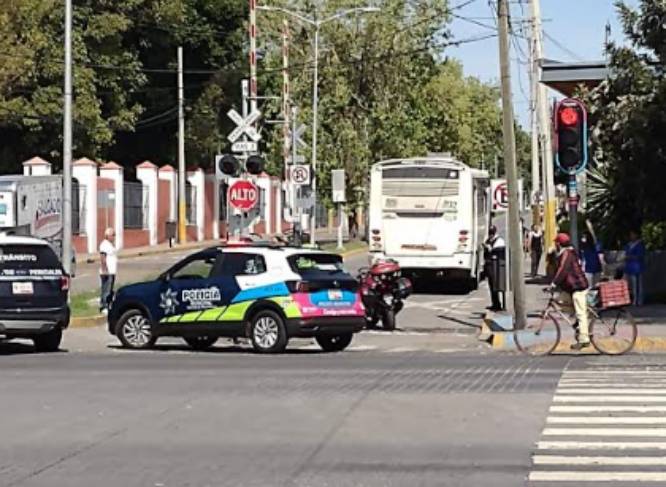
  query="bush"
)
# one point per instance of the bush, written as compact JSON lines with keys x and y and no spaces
{"x":654,"y":235}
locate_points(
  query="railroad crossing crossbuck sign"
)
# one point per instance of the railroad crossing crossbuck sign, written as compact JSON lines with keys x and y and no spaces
{"x":300,"y":175}
{"x":244,"y":125}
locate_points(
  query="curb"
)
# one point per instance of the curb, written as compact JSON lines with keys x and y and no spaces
{"x":87,"y":321}
{"x":92,"y":258}
{"x":505,"y":342}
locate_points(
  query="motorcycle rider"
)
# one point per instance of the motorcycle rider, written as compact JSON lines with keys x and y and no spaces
{"x":571,"y":280}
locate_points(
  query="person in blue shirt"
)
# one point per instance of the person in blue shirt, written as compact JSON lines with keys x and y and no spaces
{"x":634,"y":266}
{"x":593,"y":258}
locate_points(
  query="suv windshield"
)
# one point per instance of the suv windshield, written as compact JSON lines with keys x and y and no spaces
{"x":316,"y":264}
{"x":28,"y":258}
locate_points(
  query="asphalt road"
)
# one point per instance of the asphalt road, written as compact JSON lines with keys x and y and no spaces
{"x":302,"y":419}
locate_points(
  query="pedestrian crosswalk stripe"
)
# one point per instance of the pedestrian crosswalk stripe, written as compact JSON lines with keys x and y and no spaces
{"x":609,"y":398}
{"x":601,"y":445}
{"x":655,"y":432}
{"x":606,"y":420}
{"x":612,"y":390}
{"x":602,"y":384}
{"x":607,"y":409}
{"x":614,"y":373}
{"x":578,"y":476}
{"x":571,"y":460}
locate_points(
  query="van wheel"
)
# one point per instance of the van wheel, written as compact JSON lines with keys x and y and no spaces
{"x":48,"y":342}
{"x":200,"y":343}
{"x":268,"y":333}
{"x":334,"y":343}
{"x":135,"y":331}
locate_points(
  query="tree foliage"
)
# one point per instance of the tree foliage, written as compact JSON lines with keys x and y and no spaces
{"x":628,"y":120}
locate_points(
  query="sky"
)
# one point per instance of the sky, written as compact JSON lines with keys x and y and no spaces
{"x":578,"y":26}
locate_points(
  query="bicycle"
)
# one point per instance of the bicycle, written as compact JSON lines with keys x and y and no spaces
{"x":613,"y":331}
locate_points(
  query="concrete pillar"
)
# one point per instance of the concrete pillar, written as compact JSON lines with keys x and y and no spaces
{"x":216,"y":204}
{"x":197,"y":179}
{"x":264,"y":183}
{"x":277,"y":211}
{"x":146,"y":172}
{"x":85,"y":171}
{"x":168,"y":173}
{"x":114,"y":172}
{"x":36,"y":167}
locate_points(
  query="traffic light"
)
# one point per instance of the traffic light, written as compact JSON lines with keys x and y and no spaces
{"x":254,"y":165}
{"x":228,"y":165}
{"x":571,"y":135}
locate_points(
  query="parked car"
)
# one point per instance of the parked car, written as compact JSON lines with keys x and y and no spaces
{"x":33,"y":292}
{"x":266,"y":293}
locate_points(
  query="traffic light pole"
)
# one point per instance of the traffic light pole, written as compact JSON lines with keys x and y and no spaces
{"x":573,"y":209}
{"x":515,"y":244}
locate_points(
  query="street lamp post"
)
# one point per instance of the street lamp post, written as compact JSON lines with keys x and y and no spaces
{"x":316,"y":23}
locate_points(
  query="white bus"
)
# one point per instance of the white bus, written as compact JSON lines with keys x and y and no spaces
{"x":431,"y":215}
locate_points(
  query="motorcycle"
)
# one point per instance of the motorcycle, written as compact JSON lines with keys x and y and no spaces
{"x":383,"y":291}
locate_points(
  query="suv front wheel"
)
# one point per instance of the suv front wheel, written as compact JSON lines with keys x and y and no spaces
{"x":135,"y":331}
{"x":268,"y":333}
{"x":49,"y":341}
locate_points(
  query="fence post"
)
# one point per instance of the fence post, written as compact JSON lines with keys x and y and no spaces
{"x":114,"y":172}
{"x":36,"y":167}
{"x":197,"y":180}
{"x":146,"y":172}
{"x":85,"y":171}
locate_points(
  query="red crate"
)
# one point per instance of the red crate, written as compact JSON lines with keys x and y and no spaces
{"x":614,"y":293}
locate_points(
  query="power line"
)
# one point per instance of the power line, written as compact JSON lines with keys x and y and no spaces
{"x":562,"y":47}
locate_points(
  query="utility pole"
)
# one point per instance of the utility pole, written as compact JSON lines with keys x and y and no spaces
{"x":544,"y":122}
{"x":67,"y":146}
{"x":533,"y":67}
{"x":515,"y":245}
{"x":182,"y":228}
{"x":296,"y":190}
{"x":315,"y":111}
{"x":286,"y":113}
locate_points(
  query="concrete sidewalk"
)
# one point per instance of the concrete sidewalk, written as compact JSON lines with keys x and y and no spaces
{"x":651,"y":320}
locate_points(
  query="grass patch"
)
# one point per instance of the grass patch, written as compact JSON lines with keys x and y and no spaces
{"x":84,"y":304}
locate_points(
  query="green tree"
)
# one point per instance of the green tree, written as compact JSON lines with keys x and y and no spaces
{"x":626,"y":113}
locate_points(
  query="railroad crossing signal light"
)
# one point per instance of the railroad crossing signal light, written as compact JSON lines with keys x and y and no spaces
{"x":571,"y":135}
{"x":228,"y":165}
{"x":254,"y":165}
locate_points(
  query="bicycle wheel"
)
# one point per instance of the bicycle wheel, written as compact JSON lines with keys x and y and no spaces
{"x":613,"y":331}
{"x":540,"y":335}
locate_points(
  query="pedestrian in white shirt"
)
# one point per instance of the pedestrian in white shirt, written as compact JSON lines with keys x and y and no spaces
{"x":108,"y":258}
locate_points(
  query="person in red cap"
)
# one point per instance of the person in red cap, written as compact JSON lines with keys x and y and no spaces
{"x":571,"y":280}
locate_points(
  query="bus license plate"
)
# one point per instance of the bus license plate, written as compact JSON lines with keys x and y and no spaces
{"x":22,"y":288}
{"x":335,"y":295}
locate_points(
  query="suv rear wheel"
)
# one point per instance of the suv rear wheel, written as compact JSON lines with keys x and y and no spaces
{"x":334,"y":343}
{"x":49,"y":341}
{"x":135,"y":331}
{"x":268,"y":333}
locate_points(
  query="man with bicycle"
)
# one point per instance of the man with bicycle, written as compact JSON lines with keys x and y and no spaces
{"x":571,"y":280}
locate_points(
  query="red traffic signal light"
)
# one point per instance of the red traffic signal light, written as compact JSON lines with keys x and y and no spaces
{"x":571,"y":135}
{"x":569,"y":116}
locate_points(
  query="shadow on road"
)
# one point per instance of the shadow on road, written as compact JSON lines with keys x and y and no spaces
{"x":22,"y":348}
{"x":214,"y":350}
{"x":434,"y":286}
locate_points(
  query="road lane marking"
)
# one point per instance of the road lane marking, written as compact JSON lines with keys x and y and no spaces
{"x":614,"y":373}
{"x":579,"y":460}
{"x":607,"y":409}
{"x":652,"y":432}
{"x":606,"y":420}
{"x":577,"y":476}
{"x":631,"y":399}
{"x":601,"y":445}
{"x":612,"y":390}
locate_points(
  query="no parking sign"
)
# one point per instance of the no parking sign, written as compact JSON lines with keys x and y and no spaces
{"x":499,"y":195}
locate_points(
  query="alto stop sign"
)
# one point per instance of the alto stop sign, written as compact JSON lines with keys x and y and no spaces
{"x":243,"y":195}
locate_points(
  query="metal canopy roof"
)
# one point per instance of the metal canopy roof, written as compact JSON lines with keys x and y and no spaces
{"x":565,"y":77}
